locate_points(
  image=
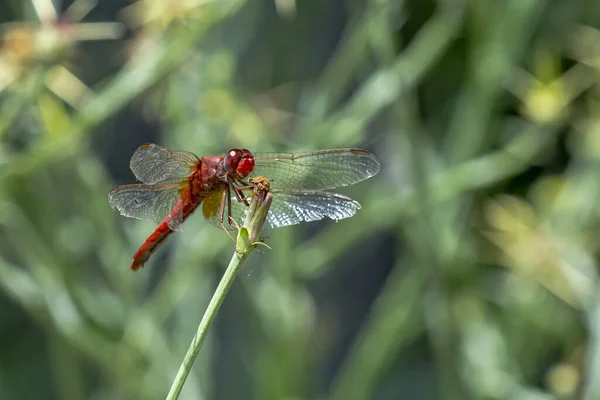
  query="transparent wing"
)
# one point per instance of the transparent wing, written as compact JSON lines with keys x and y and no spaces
{"x":156,"y":202}
{"x":291,"y":207}
{"x":152,"y":163}
{"x":316,"y":170}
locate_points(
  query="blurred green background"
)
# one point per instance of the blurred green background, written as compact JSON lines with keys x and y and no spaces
{"x":470,"y":272}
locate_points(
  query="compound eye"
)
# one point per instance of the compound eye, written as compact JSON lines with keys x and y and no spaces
{"x":246,"y":164}
{"x":231,"y":160}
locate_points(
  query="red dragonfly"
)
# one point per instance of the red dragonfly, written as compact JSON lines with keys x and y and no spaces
{"x":175,"y":183}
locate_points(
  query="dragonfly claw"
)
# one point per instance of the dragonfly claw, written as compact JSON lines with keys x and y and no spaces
{"x":233,"y":223}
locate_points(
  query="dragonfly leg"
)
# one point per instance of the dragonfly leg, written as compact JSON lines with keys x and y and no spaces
{"x":226,"y":197}
{"x":245,"y":199}
{"x":230,"y":219}
{"x":256,"y":184}
{"x":238,"y":190}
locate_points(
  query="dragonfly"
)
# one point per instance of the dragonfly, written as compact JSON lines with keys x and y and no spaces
{"x":175,"y":183}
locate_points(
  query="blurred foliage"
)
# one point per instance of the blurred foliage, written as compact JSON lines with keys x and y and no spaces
{"x":470,"y":272}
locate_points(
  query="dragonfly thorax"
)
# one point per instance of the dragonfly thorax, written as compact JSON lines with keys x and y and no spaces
{"x":208,"y":177}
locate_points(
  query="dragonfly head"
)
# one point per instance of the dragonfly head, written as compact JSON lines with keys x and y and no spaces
{"x":238,"y":162}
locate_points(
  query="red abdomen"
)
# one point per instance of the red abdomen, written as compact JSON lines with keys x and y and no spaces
{"x":160,"y":234}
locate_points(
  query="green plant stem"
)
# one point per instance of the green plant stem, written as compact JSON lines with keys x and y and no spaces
{"x":470,"y":175}
{"x":247,"y":234}
{"x":590,"y":387}
{"x":386,"y":85}
{"x":349,"y":56}
{"x":392,"y":324}
{"x":15,"y":103}
{"x":138,"y":76}
{"x":237,"y":260}
{"x":504,"y":42}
